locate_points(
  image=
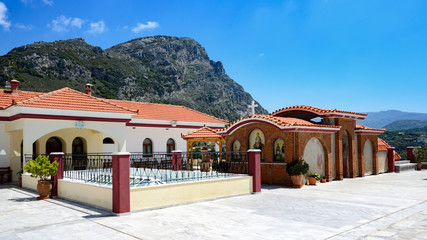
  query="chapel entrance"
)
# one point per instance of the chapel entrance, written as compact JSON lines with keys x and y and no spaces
{"x":345,"y":154}
{"x":368,"y":158}
{"x":53,"y":144}
{"x":315,"y":156}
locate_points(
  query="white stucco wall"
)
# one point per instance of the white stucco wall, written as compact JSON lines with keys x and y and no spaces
{"x":315,"y":156}
{"x":368,"y":156}
{"x":159,"y":136}
{"x":382,"y":161}
{"x":4,"y":147}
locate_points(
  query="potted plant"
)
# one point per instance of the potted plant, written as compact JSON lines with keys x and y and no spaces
{"x":296,"y":171}
{"x":19,"y":173}
{"x":43,"y":169}
{"x":323,"y":179}
{"x":420,"y":155}
{"x":312,"y":178}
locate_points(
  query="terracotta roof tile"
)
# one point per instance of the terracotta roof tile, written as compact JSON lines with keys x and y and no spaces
{"x":316,"y":110}
{"x":382,"y":145}
{"x":282,"y":121}
{"x":362,"y":127}
{"x":7,"y":99}
{"x":167,"y":112}
{"x":69,"y":99}
{"x":203,"y":132}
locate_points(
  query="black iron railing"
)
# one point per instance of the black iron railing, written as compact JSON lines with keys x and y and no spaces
{"x":93,"y":168}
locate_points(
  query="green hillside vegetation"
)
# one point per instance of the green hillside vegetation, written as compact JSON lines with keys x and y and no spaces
{"x":410,"y":125}
{"x":401,"y":140}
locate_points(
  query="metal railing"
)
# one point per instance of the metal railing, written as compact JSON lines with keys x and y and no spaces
{"x":154,"y":168}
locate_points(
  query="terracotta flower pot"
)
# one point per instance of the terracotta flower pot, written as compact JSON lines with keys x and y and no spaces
{"x":312,"y":180}
{"x":43,"y":188}
{"x":298,"y":181}
{"x":323,"y":180}
{"x":419,"y":166}
{"x":20,"y":181}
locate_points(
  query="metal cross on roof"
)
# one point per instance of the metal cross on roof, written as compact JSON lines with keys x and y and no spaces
{"x":253,"y":106}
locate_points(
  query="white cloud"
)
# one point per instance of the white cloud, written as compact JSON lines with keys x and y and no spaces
{"x":22,"y":26}
{"x":97,"y":27}
{"x":3,"y":17}
{"x":140,"y":26}
{"x":261,"y":55}
{"x":48,"y":2}
{"x":63,"y":24}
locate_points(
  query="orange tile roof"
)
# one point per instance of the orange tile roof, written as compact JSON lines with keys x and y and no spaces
{"x":7,"y":99}
{"x":69,"y":99}
{"x":203,"y":132}
{"x":382,"y":145}
{"x":167,"y":112}
{"x":282,"y":121}
{"x":397,"y":156}
{"x":315,"y":109}
{"x":362,"y":127}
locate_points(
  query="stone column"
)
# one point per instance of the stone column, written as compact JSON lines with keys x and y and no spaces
{"x":177,"y":160}
{"x":121,"y":182}
{"x":390,"y":159}
{"x":410,"y":154}
{"x":57,"y":157}
{"x":255,"y":168}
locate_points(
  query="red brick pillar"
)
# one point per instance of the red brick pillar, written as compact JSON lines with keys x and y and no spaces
{"x":390,"y":159}
{"x":255,"y":168}
{"x":410,"y":154}
{"x":57,"y":157}
{"x":121,"y":182}
{"x":177,"y":160}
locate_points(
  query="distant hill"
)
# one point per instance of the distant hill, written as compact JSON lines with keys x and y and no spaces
{"x":401,"y":125}
{"x":161,"y":69}
{"x":383,"y":118}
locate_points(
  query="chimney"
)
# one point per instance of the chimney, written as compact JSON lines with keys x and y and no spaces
{"x":88,"y":87}
{"x":14,"y":86}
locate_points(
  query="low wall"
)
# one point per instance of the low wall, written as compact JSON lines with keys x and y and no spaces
{"x":29,"y":182}
{"x":275,"y":174}
{"x":172,"y":194}
{"x":91,"y":194}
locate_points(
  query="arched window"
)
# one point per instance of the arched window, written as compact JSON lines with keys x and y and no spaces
{"x":108,"y":140}
{"x":170,"y":145}
{"x":279,"y":150}
{"x":257,"y":141}
{"x":53,"y":144}
{"x":147,"y":147}
{"x":77,"y":147}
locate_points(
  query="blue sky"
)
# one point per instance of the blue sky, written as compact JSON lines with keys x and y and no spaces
{"x":351,"y":55}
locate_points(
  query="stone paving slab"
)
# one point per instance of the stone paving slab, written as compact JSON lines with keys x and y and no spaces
{"x":388,"y":206}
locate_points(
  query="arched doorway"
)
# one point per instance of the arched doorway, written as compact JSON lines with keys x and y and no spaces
{"x":170,"y":145}
{"x":147,"y":147}
{"x":315,"y":156}
{"x":368,"y":158}
{"x":53,"y":144}
{"x":257,"y":141}
{"x":78,"y":146}
{"x":345,"y":154}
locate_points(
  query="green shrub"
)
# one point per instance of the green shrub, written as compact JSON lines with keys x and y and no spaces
{"x":315,"y":175}
{"x":297,"y":167}
{"x":420,"y":154}
{"x":41,"y":168}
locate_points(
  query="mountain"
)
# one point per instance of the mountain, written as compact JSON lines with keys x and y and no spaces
{"x":383,"y":118}
{"x":400,"y":125}
{"x":160,"y":69}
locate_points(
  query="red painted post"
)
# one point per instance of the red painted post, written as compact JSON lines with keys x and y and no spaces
{"x":255,"y":168}
{"x":121,"y":182}
{"x":57,"y":157}
{"x":390,"y":159}
{"x":177,"y":160}
{"x":410,"y":153}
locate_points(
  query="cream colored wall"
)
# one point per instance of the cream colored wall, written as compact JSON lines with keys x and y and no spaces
{"x":4,"y":147}
{"x":171,"y":194}
{"x":95,"y":195}
{"x":29,"y":182}
{"x":159,"y":137}
{"x":382,"y":161}
{"x":368,"y":156}
{"x":15,"y":139}
{"x":313,"y":153}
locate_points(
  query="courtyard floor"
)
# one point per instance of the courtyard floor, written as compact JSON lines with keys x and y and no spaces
{"x":388,"y":206}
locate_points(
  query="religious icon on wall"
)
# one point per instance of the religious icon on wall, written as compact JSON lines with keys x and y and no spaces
{"x":279,"y":150}
{"x":257,"y":141}
{"x":236,"y":146}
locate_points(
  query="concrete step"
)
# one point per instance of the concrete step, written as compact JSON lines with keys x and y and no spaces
{"x":398,"y":167}
{"x":401,"y":162}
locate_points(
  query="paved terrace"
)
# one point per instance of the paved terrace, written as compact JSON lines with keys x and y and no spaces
{"x":388,"y":206}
